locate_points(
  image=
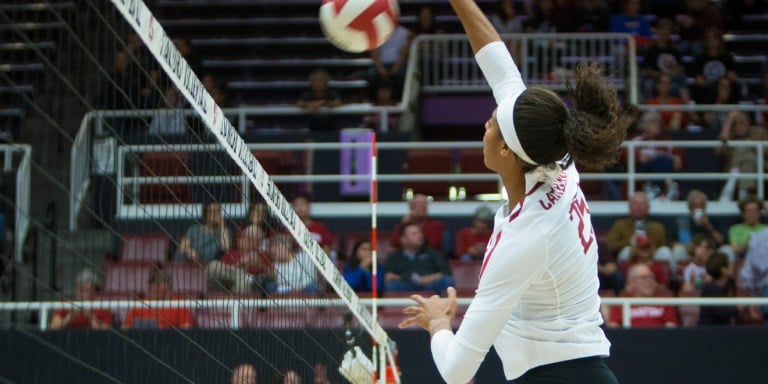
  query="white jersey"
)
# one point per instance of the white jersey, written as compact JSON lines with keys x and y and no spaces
{"x":537,"y":300}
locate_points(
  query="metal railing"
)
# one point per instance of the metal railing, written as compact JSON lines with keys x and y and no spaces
{"x":446,"y":62}
{"x":236,"y":306}
{"x":94,"y":123}
{"x":81,"y":166}
{"x":23,"y":167}
{"x":133,"y":209}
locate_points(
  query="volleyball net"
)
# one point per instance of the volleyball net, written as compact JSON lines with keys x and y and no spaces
{"x":177,"y":224}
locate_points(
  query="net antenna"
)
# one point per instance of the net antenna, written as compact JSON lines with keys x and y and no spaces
{"x":356,"y":367}
{"x":138,"y":15}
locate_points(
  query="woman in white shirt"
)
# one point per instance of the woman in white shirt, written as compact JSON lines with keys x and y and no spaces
{"x":536,"y":300}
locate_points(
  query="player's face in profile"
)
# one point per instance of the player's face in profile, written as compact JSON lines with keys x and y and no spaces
{"x":492,"y":143}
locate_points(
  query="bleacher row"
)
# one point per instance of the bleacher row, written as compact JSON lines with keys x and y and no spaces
{"x":140,"y":254}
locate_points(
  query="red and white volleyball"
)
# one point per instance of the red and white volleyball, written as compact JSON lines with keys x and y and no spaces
{"x":358,"y":25}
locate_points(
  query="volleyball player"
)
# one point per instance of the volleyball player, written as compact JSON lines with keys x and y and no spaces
{"x":536,"y":301}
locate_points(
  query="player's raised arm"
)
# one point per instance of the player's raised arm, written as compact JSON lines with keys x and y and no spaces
{"x":477,"y":27}
{"x":490,"y":52}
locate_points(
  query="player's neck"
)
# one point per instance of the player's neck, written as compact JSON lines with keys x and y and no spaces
{"x":515,"y":186}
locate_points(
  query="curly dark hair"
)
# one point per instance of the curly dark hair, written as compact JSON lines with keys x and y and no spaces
{"x":591,"y":132}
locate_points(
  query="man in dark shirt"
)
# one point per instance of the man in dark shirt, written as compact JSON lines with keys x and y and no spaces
{"x":317,"y":97}
{"x":415,"y":267}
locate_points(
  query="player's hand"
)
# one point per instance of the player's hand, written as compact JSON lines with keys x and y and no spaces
{"x":431,"y":312}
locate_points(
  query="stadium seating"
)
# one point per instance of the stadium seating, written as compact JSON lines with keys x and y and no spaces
{"x":426,"y":161}
{"x":466,"y":276}
{"x":218,"y":318}
{"x":127,"y":278}
{"x":286,"y":317}
{"x":190,"y":280}
{"x":471,"y":161}
{"x":139,"y":247}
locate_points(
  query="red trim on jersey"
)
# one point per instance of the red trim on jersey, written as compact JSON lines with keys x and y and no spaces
{"x":512,"y":216}
{"x":485,"y":262}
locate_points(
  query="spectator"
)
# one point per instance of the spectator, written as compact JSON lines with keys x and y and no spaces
{"x":624,"y":232}
{"x":714,"y":63}
{"x":169,"y":120}
{"x":208,"y":240}
{"x":504,"y":19}
{"x":418,"y":213}
{"x":289,"y":377}
{"x":244,"y":269}
{"x":389,"y":61}
{"x":693,"y":23}
{"x":720,"y":270}
{"x":695,"y":273}
{"x":740,"y":234}
{"x":633,"y":23}
{"x":244,"y":374}
{"x":471,"y":241}
{"x":427,"y":24}
{"x":699,"y":223}
{"x":293,"y":270}
{"x":657,"y":158}
{"x":754,"y":273}
{"x":149,"y":68}
{"x":321,"y":234}
{"x":698,"y":220}
{"x":549,"y":16}
{"x":671,"y":120}
{"x":740,"y":159}
{"x":214,"y":87}
{"x":383,"y":99}
{"x":642,"y":253}
{"x":611,"y":277}
{"x":592,"y":16}
{"x":321,"y":374}
{"x":414,"y":266}
{"x":641,"y":282}
{"x":258,"y":215}
{"x":152,"y":316}
{"x":120,"y":91}
{"x":317,"y":97}
{"x":662,"y":58}
{"x":184,"y":45}
{"x":358,"y":270}
{"x":87,"y":285}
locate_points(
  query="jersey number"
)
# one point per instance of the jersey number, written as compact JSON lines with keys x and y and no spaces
{"x":578,"y":212}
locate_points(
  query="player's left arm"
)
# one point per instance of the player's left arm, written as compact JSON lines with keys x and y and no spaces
{"x":512,"y":268}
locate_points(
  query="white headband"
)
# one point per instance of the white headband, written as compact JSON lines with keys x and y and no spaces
{"x":505,"y":118}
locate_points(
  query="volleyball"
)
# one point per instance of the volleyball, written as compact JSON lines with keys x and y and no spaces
{"x":358,"y":25}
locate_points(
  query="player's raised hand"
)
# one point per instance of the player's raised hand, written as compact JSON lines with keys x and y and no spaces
{"x":433,"y":313}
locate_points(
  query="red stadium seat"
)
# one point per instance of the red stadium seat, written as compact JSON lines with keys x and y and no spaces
{"x":127,"y":278}
{"x":471,"y":161}
{"x":155,"y":164}
{"x":406,"y":294}
{"x":329,"y":317}
{"x":213,"y":318}
{"x":286,"y":317}
{"x":429,"y":161}
{"x":391,"y":317}
{"x":189,"y":280}
{"x":152,"y":248}
{"x":466,"y":276}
